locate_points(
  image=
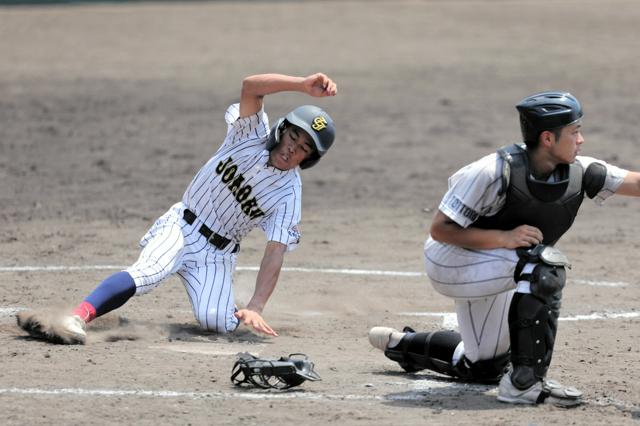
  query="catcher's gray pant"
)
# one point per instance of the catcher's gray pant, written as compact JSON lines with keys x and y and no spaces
{"x":481,"y":283}
{"x":173,"y":246}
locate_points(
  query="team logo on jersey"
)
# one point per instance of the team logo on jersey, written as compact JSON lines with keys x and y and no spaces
{"x":319,"y":123}
{"x":227,"y":171}
{"x":458,"y":206}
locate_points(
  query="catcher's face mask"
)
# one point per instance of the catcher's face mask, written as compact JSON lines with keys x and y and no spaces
{"x":282,"y":373}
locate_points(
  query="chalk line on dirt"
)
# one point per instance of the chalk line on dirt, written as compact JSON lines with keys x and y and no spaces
{"x":423,"y":390}
{"x":343,"y":271}
{"x":449,"y":319}
{"x":250,"y":394}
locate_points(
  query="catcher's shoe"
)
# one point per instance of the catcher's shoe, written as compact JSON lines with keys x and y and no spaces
{"x":384,"y":337}
{"x":62,"y":329}
{"x":547,"y":391}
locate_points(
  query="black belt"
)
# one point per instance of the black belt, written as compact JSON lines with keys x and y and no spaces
{"x":217,"y":240}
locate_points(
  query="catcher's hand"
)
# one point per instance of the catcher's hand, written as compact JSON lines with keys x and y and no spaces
{"x":255,"y":320}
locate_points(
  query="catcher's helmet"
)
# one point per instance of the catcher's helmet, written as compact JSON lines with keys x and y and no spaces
{"x":546,"y":111}
{"x":315,"y":122}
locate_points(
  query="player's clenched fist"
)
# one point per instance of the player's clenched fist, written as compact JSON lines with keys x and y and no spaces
{"x":320,"y":85}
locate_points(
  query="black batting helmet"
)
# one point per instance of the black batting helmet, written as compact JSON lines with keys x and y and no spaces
{"x":315,"y":122}
{"x":547,"y":111}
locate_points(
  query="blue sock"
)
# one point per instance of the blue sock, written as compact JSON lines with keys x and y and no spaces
{"x":112,"y":293}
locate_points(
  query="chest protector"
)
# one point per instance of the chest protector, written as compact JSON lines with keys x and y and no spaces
{"x":549,"y":206}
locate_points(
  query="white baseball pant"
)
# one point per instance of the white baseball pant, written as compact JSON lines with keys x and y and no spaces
{"x":173,"y":246}
{"x":481,"y":283}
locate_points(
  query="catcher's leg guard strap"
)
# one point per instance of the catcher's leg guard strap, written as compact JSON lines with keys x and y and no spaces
{"x":489,"y":370}
{"x":433,"y":351}
{"x":532,"y":330}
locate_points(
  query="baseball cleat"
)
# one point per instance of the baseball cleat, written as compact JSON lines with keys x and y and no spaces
{"x":384,"y":337}
{"x":547,"y":391}
{"x":62,"y":329}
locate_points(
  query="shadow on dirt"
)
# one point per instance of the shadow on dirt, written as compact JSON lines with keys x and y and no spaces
{"x":193,"y":333}
{"x":442,"y":393}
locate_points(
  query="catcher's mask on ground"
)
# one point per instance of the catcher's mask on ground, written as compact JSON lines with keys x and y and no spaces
{"x":282,"y":373}
{"x":315,"y":122}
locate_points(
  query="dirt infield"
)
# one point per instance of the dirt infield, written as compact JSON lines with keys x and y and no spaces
{"x":107,"y":111}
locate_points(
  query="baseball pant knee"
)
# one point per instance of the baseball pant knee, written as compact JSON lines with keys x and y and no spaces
{"x":221,"y":322}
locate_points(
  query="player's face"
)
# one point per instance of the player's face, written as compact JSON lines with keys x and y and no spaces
{"x":294,"y":147}
{"x":568,"y":144}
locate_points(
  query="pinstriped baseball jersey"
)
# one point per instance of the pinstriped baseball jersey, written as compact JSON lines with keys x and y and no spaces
{"x":236,"y":190}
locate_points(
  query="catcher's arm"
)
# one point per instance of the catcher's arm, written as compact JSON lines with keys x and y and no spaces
{"x":445,"y":230}
{"x":265,"y":284}
{"x":631,"y":185}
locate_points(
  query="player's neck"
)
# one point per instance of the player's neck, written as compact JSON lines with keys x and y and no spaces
{"x":541,"y":166}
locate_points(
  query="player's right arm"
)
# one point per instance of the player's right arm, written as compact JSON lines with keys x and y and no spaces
{"x":445,"y":230}
{"x":630,"y":186}
{"x":474,"y":191}
{"x":256,"y":87}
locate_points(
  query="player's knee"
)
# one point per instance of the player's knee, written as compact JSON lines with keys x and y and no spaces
{"x":208,"y":322}
{"x":548,"y":281}
{"x":548,"y":276}
{"x":212,"y":326}
{"x":217,"y":324}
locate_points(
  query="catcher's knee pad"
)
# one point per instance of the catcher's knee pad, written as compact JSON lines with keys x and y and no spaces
{"x":433,"y":351}
{"x":547,"y":282}
{"x":532,"y":331}
{"x":548,"y":276}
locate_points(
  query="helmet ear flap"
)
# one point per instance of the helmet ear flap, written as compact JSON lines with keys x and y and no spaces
{"x":274,"y":134}
{"x":311,"y":161}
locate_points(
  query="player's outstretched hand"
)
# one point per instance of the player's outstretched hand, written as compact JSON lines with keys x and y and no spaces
{"x":319,"y":85}
{"x":254,"y":319}
{"x":522,"y":236}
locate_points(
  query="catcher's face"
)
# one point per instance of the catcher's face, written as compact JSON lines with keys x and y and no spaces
{"x":567,"y":146}
{"x":294,"y":147}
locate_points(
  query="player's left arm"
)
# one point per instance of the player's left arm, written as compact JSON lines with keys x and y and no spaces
{"x":256,"y":87}
{"x":265,"y":284}
{"x":630,"y":185}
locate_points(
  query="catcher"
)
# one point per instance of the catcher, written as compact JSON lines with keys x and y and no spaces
{"x":491,"y":250}
{"x":253,"y":180}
